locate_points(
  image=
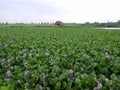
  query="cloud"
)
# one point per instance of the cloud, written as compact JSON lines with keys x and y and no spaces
{"x":66,"y":10}
{"x":28,"y":7}
{"x":29,"y":10}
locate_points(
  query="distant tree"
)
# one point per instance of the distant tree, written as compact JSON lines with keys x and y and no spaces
{"x":110,"y":24}
{"x":118,"y":22}
{"x":96,"y":24}
{"x":59,"y":23}
{"x":6,"y":23}
{"x":87,"y":23}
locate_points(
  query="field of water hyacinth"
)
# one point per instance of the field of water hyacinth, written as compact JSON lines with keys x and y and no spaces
{"x":54,"y":58}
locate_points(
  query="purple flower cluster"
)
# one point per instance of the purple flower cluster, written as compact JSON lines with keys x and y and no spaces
{"x":8,"y":73}
{"x":107,"y":55}
{"x":26,"y":72}
{"x":25,"y":62}
{"x":46,"y":54}
{"x":8,"y":61}
{"x":24,"y":55}
{"x":71,"y":73}
{"x":99,"y":85}
{"x":16,"y":58}
{"x":32,"y":75}
{"x":30,"y":55}
{"x":43,"y":80}
{"x":41,"y":88}
{"x":20,"y":52}
{"x":106,"y":79}
{"x":24,"y":49}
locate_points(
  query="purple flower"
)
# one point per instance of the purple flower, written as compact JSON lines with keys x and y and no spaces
{"x":64,"y":55}
{"x":20,"y":52}
{"x":32,"y":75}
{"x":8,"y":73}
{"x":30,"y":54}
{"x":25,"y":62}
{"x":41,"y":88}
{"x":82,"y":69}
{"x":26,"y":72}
{"x":106,"y":79}
{"x":99,"y":85}
{"x":8,"y":61}
{"x":46,"y":54}
{"x":107,"y":55}
{"x":9,"y":64}
{"x":43,"y":80}
{"x":71,"y":73}
{"x":24,"y":50}
{"x":24,"y":55}
{"x":16,"y":58}
{"x":31,"y":51}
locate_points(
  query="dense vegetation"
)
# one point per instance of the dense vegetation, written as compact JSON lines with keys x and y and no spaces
{"x":53,"y":58}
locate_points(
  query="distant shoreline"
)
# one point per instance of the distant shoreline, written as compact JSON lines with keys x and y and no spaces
{"x":112,"y":28}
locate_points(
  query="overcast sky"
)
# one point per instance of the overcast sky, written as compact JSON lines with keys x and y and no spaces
{"x":78,"y":11}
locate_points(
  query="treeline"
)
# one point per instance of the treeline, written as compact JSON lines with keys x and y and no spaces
{"x":42,"y":23}
{"x":95,"y":24}
{"x":108,"y":24}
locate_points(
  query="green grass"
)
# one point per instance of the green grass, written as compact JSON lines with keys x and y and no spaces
{"x":77,"y":48}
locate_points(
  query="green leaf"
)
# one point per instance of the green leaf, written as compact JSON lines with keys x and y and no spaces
{"x":4,"y":88}
{"x":58,"y":85}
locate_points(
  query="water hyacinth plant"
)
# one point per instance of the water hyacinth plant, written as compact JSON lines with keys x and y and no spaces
{"x":53,"y":58}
